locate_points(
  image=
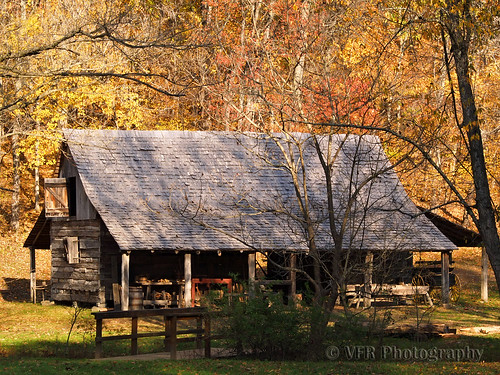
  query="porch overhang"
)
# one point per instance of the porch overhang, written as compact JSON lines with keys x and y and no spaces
{"x":39,"y":236}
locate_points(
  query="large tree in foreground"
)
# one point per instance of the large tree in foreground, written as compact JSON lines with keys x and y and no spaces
{"x":461,"y":20}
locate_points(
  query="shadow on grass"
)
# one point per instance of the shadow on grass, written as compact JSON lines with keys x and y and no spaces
{"x":82,"y":348}
{"x":47,"y":349}
{"x":18,"y":290}
{"x":488,"y":345}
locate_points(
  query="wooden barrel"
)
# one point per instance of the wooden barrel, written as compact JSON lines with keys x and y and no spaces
{"x":136,"y":298}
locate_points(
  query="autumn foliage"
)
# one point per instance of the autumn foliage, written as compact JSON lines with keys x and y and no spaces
{"x":297,"y":65}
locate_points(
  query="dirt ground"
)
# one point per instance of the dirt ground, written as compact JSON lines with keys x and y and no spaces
{"x":15,"y":268}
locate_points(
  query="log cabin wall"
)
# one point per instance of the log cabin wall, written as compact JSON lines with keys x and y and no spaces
{"x":77,"y":280}
{"x":77,"y":262}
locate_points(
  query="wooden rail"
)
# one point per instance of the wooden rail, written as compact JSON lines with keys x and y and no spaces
{"x":170,"y":317}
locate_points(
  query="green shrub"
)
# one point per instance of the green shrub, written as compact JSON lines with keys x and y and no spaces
{"x":263,"y":326}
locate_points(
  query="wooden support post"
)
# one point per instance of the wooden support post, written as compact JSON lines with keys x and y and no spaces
{"x":187,"y":281}
{"x":166,"y":341}
{"x":133,"y":346}
{"x":484,"y":275}
{"x":251,"y":274}
{"x":293,"y":277}
{"x":32,"y":274}
{"x":125,"y":281}
{"x":173,"y":337}
{"x":117,"y":291}
{"x":208,"y":349}
{"x":445,"y":278}
{"x":98,"y":338}
{"x":367,"y":300}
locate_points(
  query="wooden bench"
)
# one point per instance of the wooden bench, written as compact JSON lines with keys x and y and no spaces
{"x":170,"y":333}
{"x":357,"y":292}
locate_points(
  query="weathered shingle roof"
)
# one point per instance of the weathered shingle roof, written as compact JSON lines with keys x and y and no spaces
{"x":230,"y":191}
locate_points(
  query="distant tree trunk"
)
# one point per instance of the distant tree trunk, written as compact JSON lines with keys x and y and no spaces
{"x":16,"y":182}
{"x":37,"y":188}
{"x":16,"y":163}
{"x":37,"y":171}
{"x":459,"y":27}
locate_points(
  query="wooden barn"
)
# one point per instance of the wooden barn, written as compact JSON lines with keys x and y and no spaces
{"x":167,"y":213}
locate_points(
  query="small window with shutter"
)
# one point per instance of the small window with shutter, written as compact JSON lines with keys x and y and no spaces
{"x":60,"y":197}
{"x":71,"y":244}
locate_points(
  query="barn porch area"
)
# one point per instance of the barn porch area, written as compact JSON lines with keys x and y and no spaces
{"x":387,"y":277}
{"x":163,"y":279}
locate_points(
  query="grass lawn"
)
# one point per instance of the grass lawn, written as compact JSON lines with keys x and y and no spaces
{"x":33,"y":339}
{"x":237,"y":367}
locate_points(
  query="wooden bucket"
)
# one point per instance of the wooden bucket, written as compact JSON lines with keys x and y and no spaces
{"x":136,"y":298}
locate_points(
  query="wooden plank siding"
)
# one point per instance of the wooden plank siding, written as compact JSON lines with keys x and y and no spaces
{"x":83,"y":207}
{"x":76,"y":281}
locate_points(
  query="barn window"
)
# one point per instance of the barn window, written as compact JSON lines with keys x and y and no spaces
{"x":72,"y":247}
{"x":60,"y":197}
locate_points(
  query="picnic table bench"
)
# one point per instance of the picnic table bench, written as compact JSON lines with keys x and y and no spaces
{"x":358,"y":292}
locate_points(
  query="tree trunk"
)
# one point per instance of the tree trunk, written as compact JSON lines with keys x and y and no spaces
{"x":459,"y":29}
{"x":16,"y":183}
{"x":16,"y":163}
{"x":37,"y":171}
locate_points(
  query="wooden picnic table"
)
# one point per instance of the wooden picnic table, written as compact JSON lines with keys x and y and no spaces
{"x":358,"y":292}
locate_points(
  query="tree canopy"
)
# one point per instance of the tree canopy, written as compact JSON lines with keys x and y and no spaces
{"x":423,"y":75}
